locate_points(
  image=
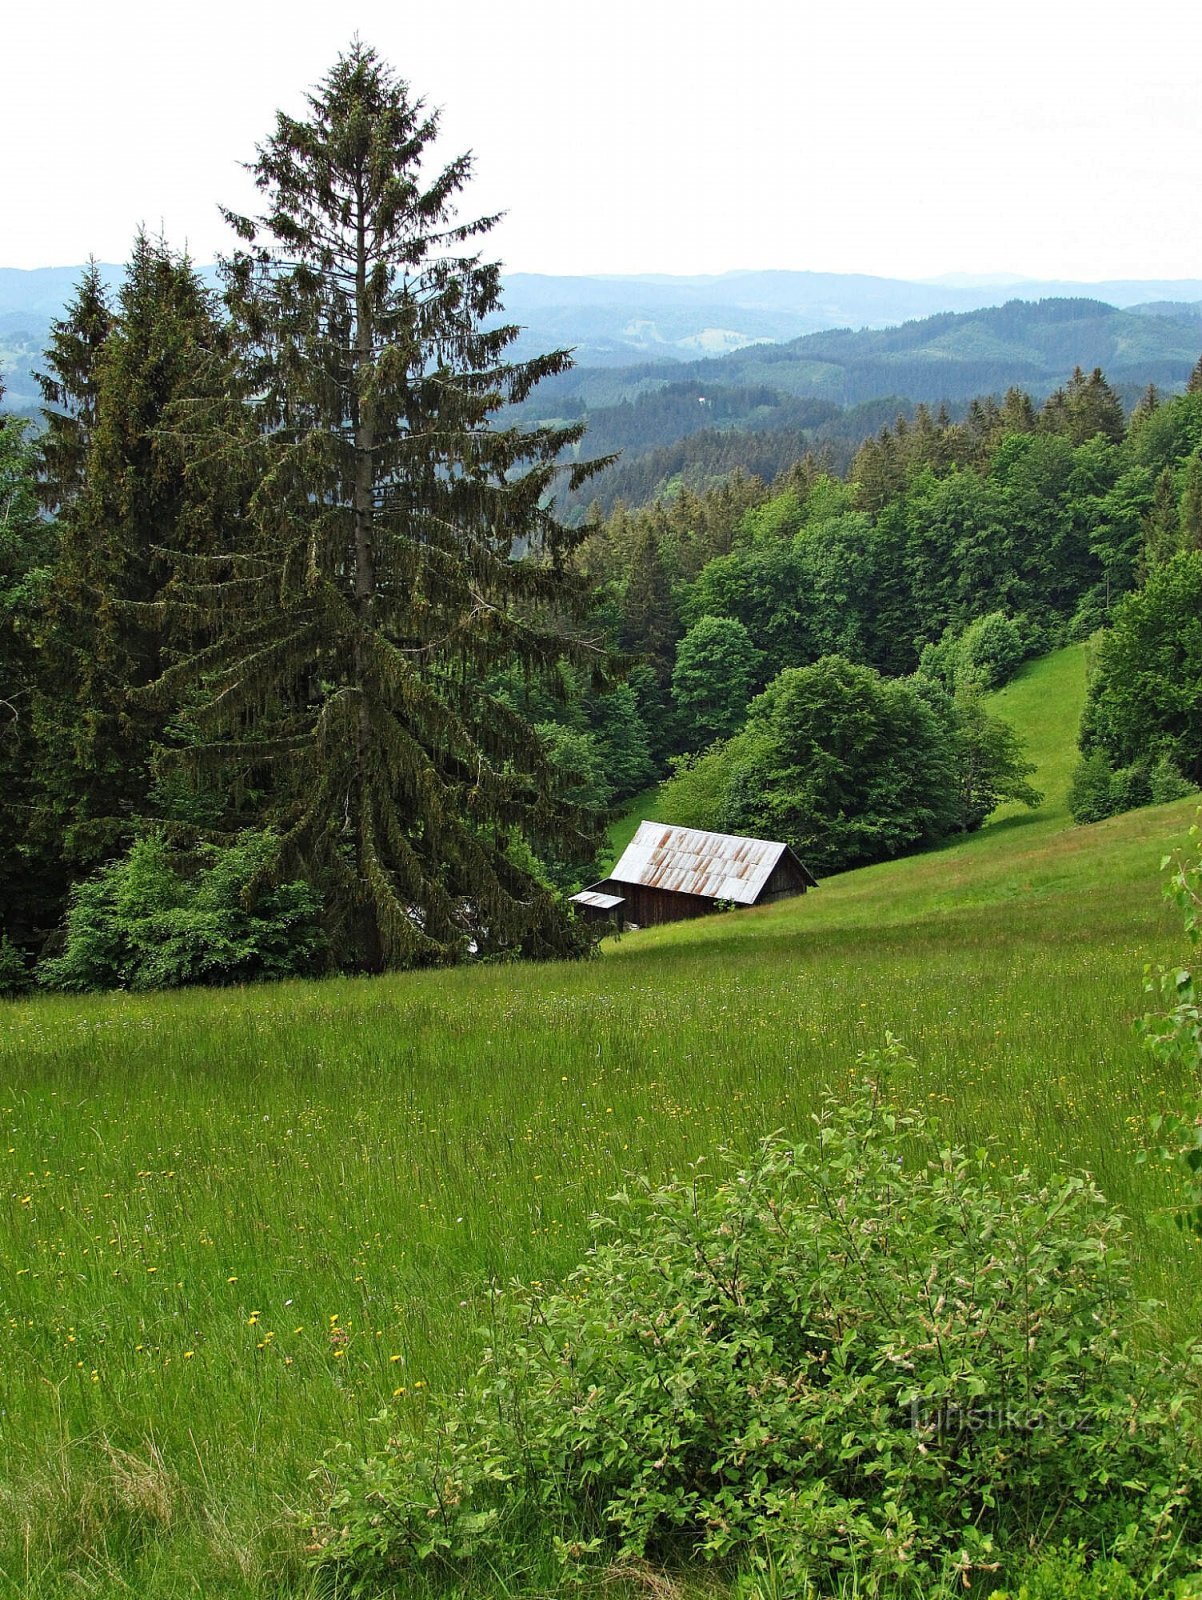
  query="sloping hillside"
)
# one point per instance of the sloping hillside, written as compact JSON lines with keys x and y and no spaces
{"x":1044,"y":702}
{"x":241,"y":1223}
{"x":950,"y":356}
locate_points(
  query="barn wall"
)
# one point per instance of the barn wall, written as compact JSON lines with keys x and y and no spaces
{"x":786,"y":879}
{"x":649,"y":907}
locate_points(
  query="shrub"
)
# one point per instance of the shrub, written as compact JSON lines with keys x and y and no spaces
{"x":156,"y":920}
{"x":985,"y":655}
{"x":1098,"y":791}
{"x":1174,"y":1034}
{"x":1066,"y":1575}
{"x":15,"y":976}
{"x":1091,"y":792}
{"x":865,"y":1353}
{"x":1166,"y":782}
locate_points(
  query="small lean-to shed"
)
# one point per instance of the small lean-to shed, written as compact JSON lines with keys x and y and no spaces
{"x":667,"y":874}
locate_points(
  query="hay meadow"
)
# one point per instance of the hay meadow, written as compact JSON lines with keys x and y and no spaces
{"x":238,"y":1226}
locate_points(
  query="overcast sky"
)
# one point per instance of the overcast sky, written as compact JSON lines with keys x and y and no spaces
{"x":910,"y":138}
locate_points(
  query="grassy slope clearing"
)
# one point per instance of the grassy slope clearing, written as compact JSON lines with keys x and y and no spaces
{"x":234,"y":1224}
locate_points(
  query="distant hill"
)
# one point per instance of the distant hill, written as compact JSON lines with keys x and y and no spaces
{"x":652,"y":319}
{"x":677,"y":422}
{"x":609,"y":320}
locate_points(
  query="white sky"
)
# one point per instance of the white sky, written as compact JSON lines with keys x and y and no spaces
{"x":1052,"y":138}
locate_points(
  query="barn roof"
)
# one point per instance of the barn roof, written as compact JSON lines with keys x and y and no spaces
{"x":598,"y":901}
{"x":720,"y":866}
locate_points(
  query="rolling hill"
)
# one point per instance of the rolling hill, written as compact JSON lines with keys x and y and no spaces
{"x":832,"y":389}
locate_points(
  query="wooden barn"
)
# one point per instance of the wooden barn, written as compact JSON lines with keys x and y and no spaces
{"x":667,"y":874}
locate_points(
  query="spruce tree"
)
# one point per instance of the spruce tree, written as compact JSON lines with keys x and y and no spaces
{"x":1017,"y":414}
{"x":69,"y":389}
{"x":27,"y":882}
{"x":649,"y":625}
{"x":1147,"y":404}
{"x":1162,"y":525}
{"x":118,"y":477}
{"x":380,"y":584}
{"x":1085,"y":407}
{"x":1191,"y":504}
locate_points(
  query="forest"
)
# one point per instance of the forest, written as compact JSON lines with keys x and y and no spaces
{"x":302,"y":668}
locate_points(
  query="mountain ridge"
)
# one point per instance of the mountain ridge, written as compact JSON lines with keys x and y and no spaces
{"x":616,"y":320}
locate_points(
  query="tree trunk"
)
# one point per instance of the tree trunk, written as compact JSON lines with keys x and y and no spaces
{"x":363,"y":511}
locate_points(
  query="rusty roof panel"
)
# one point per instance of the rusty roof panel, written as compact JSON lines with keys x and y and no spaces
{"x":720,"y":866}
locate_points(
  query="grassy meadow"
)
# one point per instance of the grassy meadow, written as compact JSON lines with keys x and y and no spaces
{"x":235,"y":1226}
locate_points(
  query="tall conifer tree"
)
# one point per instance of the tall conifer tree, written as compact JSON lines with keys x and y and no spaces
{"x":118,"y":478}
{"x":380,"y":587}
{"x":69,"y":387}
{"x":27,"y":883}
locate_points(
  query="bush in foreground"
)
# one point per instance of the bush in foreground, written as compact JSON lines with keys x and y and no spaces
{"x":865,"y":1354}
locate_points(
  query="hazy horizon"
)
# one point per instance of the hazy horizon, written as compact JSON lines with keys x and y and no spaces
{"x":1058,"y":144}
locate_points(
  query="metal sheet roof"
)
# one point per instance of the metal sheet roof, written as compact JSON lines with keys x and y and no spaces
{"x":720,"y":866}
{"x":602,"y":902}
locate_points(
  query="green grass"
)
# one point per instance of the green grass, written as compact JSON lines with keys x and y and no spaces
{"x":345,"y":1166}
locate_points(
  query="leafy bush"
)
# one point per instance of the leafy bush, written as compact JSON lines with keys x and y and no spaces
{"x":1098,"y":790}
{"x":1091,"y":792}
{"x":1067,"y":1576}
{"x":864,"y":1353}
{"x":15,"y":976}
{"x":1166,"y":782}
{"x":155,"y":920}
{"x":1174,"y":1033}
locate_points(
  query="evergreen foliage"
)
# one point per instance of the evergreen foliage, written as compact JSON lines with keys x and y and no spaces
{"x":378,"y":586}
{"x":27,"y":881}
{"x":124,"y":493}
{"x":69,"y":388}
